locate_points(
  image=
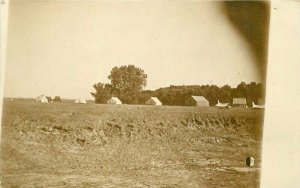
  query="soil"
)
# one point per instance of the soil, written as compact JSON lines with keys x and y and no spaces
{"x":93,"y":145}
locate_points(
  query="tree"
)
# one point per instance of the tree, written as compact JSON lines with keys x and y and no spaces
{"x":57,"y":99}
{"x":127,"y":82}
{"x":225,"y":94}
{"x":103,"y":92}
{"x":240,"y":90}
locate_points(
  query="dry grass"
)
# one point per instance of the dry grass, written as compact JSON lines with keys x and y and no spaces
{"x":69,"y":145}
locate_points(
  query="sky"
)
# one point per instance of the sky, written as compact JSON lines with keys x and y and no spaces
{"x":63,"y":48}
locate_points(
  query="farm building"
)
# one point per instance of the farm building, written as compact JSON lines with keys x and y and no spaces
{"x":42,"y":99}
{"x":114,"y":100}
{"x":80,"y":101}
{"x":153,"y":101}
{"x":242,"y":102}
{"x":196,"y":101}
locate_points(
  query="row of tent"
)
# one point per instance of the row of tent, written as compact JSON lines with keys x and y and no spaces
{"x":194,"y":101}
{"x":112,"y":100}
{"x":191,"y":101}
{"x":46,"y":99}
{"x":236,"y":102}
{"x":150,"y":101}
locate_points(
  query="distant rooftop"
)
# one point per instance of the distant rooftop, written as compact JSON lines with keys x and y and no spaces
{"x":156,"y":100}
{"x":199,"y":98}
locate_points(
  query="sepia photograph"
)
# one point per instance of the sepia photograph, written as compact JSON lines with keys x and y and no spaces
{"x":134,"y":93}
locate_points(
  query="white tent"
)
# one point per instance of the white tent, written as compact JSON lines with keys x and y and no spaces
{"x":257,"y":106}
{"x":80,"y":101}
{"x":153,"y":101}
{"x":114,"y":100}
{"x":42,"y":99}
{"x":222,"y":105}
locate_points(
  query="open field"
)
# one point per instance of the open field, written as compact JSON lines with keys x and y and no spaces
{"x":69,"y":145}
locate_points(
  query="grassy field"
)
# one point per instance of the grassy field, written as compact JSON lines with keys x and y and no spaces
{"x":69,"y":145}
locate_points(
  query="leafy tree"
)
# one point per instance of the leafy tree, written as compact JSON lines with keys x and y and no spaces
{"x":103,"y":92}
{"x":145,"y":95}
{"x":241,"y":90}
{"x":57,"y":99}
{"x":127,"y":82}
{"x":225,"y":94}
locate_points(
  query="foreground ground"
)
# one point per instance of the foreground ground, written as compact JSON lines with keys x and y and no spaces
{"x":69,"y":145}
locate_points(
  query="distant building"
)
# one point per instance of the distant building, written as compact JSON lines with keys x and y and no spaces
{"x":114,"y":100}
{"x":153,"y":101}
{"x":241,"y":102}
{"x":196,"y":101}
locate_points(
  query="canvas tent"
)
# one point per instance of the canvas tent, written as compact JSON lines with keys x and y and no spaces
{"x":257,"y":106}
{"x":196,"y":101}
{"x":222,"y":105}
{"x":80,"y":101}
{"x":153,"y":101}
{"x":42,"y":99}
{"x":242,"y":102}
{"x":114,"y":100}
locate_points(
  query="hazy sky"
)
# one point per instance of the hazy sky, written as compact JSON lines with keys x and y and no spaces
{"x":63,"y":48}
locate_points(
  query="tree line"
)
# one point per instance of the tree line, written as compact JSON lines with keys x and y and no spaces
{"x":128,"y":83}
